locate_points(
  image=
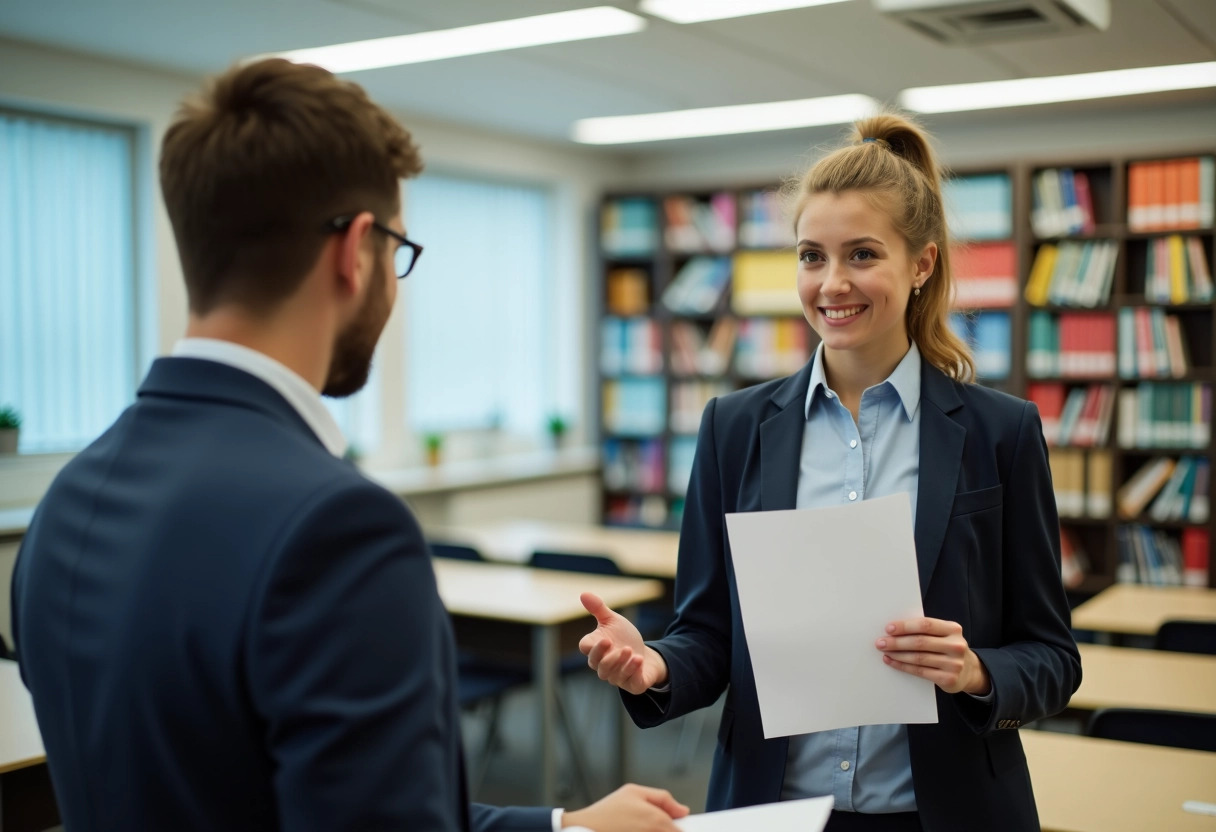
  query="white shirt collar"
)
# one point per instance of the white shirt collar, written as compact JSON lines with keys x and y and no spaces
{"x":299,"y":393}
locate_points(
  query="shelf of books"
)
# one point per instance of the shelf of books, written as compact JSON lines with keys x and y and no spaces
{"x":1085,"y":286}
{"x":1121,"y":360}
{"x":984,"y":261}
{"x":699,"y":300}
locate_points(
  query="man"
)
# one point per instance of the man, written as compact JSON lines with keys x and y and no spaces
{"x":224,"y":625}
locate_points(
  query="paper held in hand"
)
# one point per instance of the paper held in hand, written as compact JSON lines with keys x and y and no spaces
{"x":817,"y":588}
{"x":809,"y":815}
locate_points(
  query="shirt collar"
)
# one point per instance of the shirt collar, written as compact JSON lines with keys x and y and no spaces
{"x":905,"y":379}
{"x":290,"y":385}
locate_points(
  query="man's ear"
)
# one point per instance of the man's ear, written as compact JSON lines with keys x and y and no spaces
{"x":353,"y":255}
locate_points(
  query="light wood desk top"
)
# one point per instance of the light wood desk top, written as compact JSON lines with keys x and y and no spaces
{"x":1140,"y":610}
{"x":635,"y":551}
{"x":20,"y":742}
{"x":1123,"y":677}
{"x":506,"y":592}
{"x":1082,"y":784}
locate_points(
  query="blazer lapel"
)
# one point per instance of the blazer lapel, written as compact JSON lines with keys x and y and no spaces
{"x":781,"y":443}
{"x":941,"y":455}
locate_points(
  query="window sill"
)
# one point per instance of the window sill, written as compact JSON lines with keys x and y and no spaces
{"x":487,"y":473}
{"x":422,"y":481}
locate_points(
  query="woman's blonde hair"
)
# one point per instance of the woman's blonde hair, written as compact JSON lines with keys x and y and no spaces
{"x":891,"y":162}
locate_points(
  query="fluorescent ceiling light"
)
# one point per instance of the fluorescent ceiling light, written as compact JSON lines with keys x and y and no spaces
{"x":1020,"y":92}
{"x":696,"y":11}
{"x":721,"y":121}
{"x":559,"y":27}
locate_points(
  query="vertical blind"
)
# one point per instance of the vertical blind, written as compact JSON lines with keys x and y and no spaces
{"x":67,"y":278}
{"x":480,"y":329}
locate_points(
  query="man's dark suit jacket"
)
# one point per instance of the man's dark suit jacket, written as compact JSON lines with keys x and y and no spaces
{"x":987,"y":548}
{"x":225,"y":627}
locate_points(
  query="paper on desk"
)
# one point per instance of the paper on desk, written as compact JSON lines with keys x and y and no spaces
{"x":810,"y":815}
{"x":817,"y":588}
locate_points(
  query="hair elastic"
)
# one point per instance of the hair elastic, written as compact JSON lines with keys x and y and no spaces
{"x":869,"y":139}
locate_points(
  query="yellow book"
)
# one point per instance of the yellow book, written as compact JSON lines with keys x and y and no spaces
{"x":1178,"y":276}
{"x":1039,"y":283}
{"x":765,"y":283}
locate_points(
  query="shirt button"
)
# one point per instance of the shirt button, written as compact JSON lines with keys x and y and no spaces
{"x":844,"y":765}
{"x":852,"y":495}
{"x":830,"y":395}
{"x":852,"y":443}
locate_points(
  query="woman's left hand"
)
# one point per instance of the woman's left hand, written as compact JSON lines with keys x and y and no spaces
{"x":935,"y":650}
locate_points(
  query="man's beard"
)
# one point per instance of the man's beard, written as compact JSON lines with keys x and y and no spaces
{"x":352,"y":360}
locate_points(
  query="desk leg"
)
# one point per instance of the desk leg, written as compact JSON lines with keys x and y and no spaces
{"x":544,"y":676}
{"x":624,"y":727}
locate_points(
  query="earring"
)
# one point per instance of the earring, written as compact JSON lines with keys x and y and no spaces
{"x":916,"y":291}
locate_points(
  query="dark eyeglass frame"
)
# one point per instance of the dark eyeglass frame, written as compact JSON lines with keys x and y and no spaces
{"x":340,"y":224}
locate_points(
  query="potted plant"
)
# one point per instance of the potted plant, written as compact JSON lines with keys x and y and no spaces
{"x":10,"y":429}
{"x":434,"y":445}
{"x":557,"y":429}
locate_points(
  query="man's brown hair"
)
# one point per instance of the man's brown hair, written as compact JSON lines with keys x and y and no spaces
{"x":253,"y":168}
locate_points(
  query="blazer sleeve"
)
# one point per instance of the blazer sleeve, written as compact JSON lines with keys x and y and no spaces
{"x":350,"y":668}
{"x":510,"y":818}
{"x":1038,"y":668}
{"x":697,"y":645}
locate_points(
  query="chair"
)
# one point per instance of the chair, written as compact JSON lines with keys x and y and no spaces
{"x":1187,"y":637}
{"x":1178,"y":729}
{"x":653,"y":617}
{"x":454,"y":551}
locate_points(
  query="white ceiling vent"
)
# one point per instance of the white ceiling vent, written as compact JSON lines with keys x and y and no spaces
{"x":979,"y":21}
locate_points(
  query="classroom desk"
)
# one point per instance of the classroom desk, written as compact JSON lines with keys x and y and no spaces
{"x":1135,"y":609}
{"x":1082,"y":784}
{"x":1124,"y":677}
{"x":636,"y":551}
{"x":26,"y":800}
{"x":514,"y":610}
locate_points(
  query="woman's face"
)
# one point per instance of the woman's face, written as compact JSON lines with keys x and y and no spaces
{"x":856,"y":275}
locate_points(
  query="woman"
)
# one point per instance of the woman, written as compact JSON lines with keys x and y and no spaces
{"x":885,"y":405}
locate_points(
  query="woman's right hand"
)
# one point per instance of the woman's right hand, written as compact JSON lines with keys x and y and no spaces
{"x":615,"y":650}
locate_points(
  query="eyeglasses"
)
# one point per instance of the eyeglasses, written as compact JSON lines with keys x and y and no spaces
{"x":404,"y":258}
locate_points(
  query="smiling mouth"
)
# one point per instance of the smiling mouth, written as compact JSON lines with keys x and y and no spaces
{"x":841,"y":313}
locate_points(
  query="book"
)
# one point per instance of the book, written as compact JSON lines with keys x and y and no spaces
{"x":1135,"y":494}
{"x":1099,"y":483}
{"x":764,"y":283}
{"x":1074,"y":564}
{"x":1196,"y":554}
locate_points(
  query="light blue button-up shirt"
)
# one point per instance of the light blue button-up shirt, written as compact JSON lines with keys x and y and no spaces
{"x":866,"y":769}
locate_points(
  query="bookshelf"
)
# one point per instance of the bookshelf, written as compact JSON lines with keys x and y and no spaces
{"x":698,"y":300}
{"x":1119,"y":349}
{"x":1083,"y":284}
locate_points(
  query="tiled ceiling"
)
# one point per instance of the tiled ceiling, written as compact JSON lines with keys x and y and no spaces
{"x":539,"y":92}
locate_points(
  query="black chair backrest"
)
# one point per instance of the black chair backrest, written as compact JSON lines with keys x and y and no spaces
{"x":1178,"y":729}
{"x":455,"y":551}
{"x":1188,"y":637}
{"x":569,"y":562}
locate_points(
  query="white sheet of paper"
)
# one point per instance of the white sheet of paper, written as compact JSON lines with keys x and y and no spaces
{"x":817,"y":588}
{"x":809,"y":815}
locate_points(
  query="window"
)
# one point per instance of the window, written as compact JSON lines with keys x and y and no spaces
{"x":481,"y":312}
{"x":68,"y":344}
